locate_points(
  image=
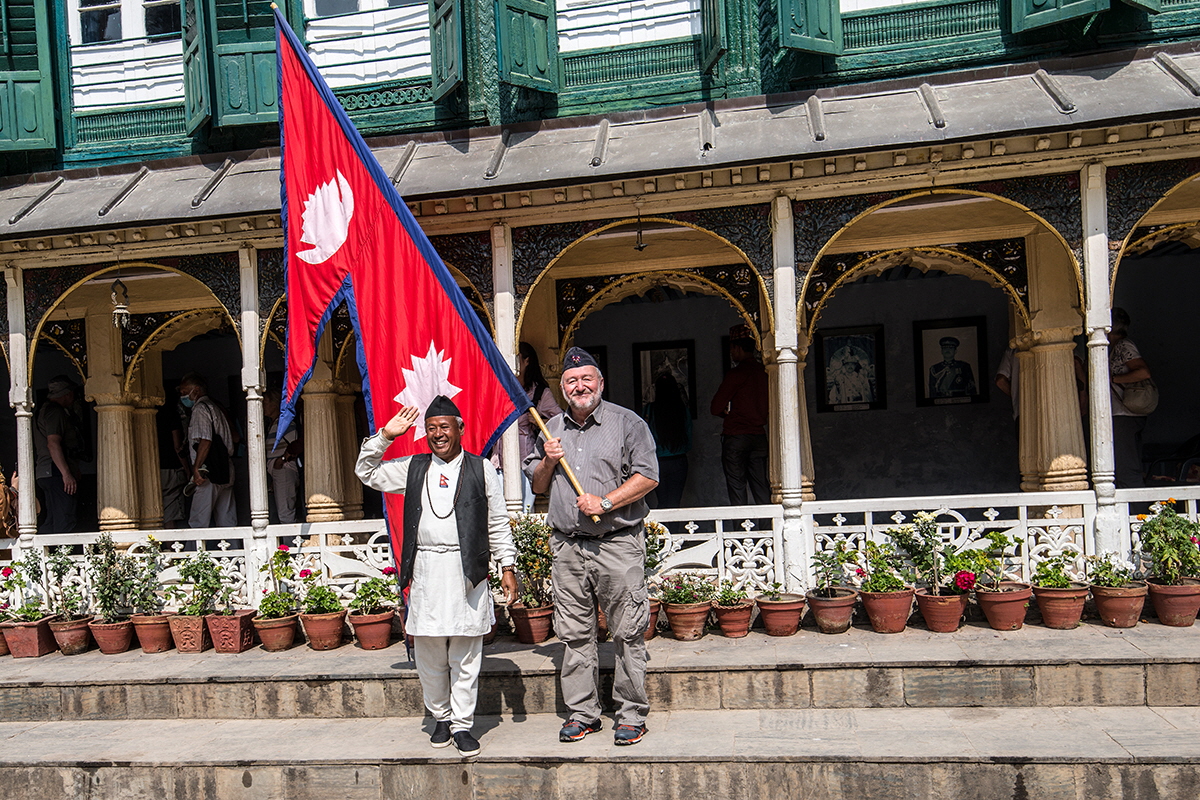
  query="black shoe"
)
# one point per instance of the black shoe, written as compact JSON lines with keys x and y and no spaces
{"x":441,"y":735}
{"x":467,"y":744}
{"x":573,"y":730}
{"x":629,"y":734}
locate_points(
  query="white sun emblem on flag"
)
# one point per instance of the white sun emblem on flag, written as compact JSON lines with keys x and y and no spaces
{"x":429,"y":377}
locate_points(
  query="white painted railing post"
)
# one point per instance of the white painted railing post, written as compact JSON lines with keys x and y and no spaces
{"x":252,"y":383}
{"x":797,"y":545}
{"x":1110,"y":527}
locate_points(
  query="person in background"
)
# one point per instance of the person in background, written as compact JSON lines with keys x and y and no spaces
{"x":57,"y":443}
{"x":283,"y":460}
{"x":741,"y":400}
{"x":174,"y":466}
{"x":670,"y":423}
{"x":1126,"y":366}
{"x":529,"y":372}
{"x":211,"y":440}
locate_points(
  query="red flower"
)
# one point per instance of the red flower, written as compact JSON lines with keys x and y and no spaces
{"x":389,"y":570}
{"x":860,"y":572}
{"x":6,"y":572}
{"x":306,"y":573}
{"x":285,"y":548}
{"x":964,"y":580}
{"x":1196,"y":540}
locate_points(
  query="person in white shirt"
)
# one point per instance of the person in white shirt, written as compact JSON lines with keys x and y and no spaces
{"x":212,"y":443}
{"x":455,"y":523}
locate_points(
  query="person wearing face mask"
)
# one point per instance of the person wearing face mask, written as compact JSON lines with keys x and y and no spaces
{"x":598,"y":564}
{"x":211,"y":438}
{"x":455,"y":523}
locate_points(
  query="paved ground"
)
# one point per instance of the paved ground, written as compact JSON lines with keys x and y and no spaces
{"x":974,"y":644}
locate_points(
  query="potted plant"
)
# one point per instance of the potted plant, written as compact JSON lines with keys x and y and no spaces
{"x":275,"y":622}
{"x":1169,"y":542}
{"x":187,"y":627}
{"x":941,"y":601}
{"x":70,"y":626}
{"x":832,"y":602}
{"x":322,"y":617}
{"x":533,"y":614}
{"x":26,"y":632}
{"x":1119,"y":598}
{"x":887,"y":598}
{"x":231,"y":629}
{"x":687,"y":600}
{"x":1060,"y":598}
{"x":732,"y":609}
{"x":657,"y":537}
{"x":779,"y":611}
{"x":149,"y":622}
{"x":372,"y":609}
{"x":1003,"y":601}
{"x":113,"y":581}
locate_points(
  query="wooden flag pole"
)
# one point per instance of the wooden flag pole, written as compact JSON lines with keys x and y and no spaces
{"x":562,"y":461}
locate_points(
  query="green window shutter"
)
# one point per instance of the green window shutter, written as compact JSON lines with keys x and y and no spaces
{"x":714,"y":43}
{"x":242,"y":33}
{"x":1030,"y":14}
{"x":1153,"y":6}
{"x":814,"y":26}
{"x":527,"y":40}
{"x":197,"y":85}
{"x":446,"y":44}
{"x":26,"y":82}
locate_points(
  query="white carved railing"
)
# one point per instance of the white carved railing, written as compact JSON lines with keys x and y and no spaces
{"x":743,"y":544}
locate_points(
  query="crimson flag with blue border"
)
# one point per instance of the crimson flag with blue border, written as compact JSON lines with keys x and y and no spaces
{"x":349,"y":237}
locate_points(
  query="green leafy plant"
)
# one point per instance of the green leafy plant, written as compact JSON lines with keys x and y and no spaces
{"x":656,"y":543}
{"x":114,"y":579}
{"x":881,"y":569}
{"x":68,"y":600}
{"x":204,"y":577}
{"x":275,"y":605}
{"x":145,"y":597}
{"x":318,"y":598}
{"x":730,"y":594}
{"x":280,"y":600}
{"x":931,"y":558}
{"x":531,"y":535}
{"x":1052,"y":572}
{"x":686,"y":588}
{"x":1108,"y":569}
{"x":990,"y":561}
{"x":22,"y":582}
{"x":12,"y":583}
{"x":830,"y":568}
{"x":376,"y":595}
{"x":773,"y":592}
{"x":1170,"y":542}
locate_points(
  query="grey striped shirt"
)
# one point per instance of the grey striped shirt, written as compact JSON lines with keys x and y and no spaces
{"x":611,"y":445}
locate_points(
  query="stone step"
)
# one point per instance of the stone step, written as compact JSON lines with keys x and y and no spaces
{"x":1059,"y":753}
{"x":975,"y":667}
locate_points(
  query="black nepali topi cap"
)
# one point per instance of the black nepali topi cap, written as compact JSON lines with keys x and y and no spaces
{"x":442,"y":406}
{"x":578,"y":357}
{"x":948,"y":341}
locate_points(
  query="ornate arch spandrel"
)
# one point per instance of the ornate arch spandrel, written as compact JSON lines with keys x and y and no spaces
{"x":1133,"y":192}
{"x":165,"y":331}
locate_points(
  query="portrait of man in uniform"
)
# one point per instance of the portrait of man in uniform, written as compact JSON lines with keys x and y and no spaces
{"x":949,"y":356}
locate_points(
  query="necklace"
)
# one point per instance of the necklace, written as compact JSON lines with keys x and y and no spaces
{"x":457,"y":493}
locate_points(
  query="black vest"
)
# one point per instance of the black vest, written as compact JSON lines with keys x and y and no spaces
{"x":471,"y":516}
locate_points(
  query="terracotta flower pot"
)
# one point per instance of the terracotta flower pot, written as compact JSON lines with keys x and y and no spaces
{"x":324,"y":631}
{"x":3,"y":641}
{"x":687,"y":620}
{"x":943,"y":613}
{"x":888,"y":611}
{"x":1061,"y":608}
{"x":652,"y":628}
{"x":29,"y":639}
{"x":1005,"y":609}
{"x":189,"y":633}
{"x":277,"y":633}
{"x":1120,"y":606}
{"x":112,"y":637}
{"x":1176,"y":606}
{"x":232,"y":633}
{"x":374,"y":631}
{"x":734,"y":621}
{"x":533,"y":625}
{"x":832,"y":614}
{"x":73,"y":636}
{"x":781,"y":617}
{"x":153,"y":632}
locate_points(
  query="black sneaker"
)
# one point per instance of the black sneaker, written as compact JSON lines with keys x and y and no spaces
{"x":629,"y":734}
{"x":573,"y":730}
{"x":467,"y":744}
{"x":441,"y":735}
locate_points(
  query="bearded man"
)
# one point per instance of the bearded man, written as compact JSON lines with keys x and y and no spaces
{"x":598,"y":564}
{"x":455,"y":523}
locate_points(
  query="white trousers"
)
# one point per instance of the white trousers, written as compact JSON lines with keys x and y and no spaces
{"x":448,"y":667}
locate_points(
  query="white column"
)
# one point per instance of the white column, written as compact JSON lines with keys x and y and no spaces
{"x":1098,"y":320}
{"x":256,"y":451}
{"x":505,"y":302}
{"x":790,"y":399}
{"x":20,"y":396}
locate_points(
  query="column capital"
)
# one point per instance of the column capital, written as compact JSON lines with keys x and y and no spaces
{"x":1055,"y":336}
{"x":112,"y":399}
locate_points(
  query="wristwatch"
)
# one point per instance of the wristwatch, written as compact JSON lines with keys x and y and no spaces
{"x":605,"y":504}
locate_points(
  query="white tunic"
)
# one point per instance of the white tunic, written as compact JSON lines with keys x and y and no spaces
{"x":440,"y":603}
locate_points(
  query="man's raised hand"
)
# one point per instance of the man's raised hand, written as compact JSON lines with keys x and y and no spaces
{"x":399,"y":424}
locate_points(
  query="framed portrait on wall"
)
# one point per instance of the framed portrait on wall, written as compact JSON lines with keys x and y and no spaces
{"x":676,"y":358}
{"x":851,"y":372}
{"x":950,"y":359}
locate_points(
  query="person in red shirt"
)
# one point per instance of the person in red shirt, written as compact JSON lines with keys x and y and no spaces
{"x":742,"y":401}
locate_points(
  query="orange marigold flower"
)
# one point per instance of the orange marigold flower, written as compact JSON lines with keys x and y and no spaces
{"x":1171,"y":501}
{"x":1141,"y":517}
